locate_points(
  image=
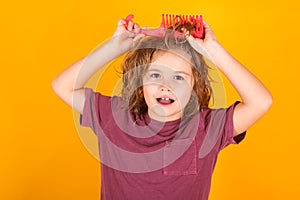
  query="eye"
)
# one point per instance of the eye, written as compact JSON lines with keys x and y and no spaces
{"x":178,"y":77}
{"x":155,"y":75}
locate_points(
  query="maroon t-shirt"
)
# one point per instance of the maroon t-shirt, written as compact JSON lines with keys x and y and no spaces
{"x":147,"y":159}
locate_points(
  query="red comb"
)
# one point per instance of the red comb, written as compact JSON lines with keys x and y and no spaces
{"x":170,"y":20}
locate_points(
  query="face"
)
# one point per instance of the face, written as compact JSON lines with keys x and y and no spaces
{"x":167,"y":85}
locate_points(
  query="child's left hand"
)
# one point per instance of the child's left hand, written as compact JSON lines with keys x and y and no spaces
{"x":202,"y":45}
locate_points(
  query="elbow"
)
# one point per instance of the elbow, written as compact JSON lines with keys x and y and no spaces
{"x":59,"y":87}
{"x":61,"y":91}
{"x":267,"y":102}
{"x":55,"y":86}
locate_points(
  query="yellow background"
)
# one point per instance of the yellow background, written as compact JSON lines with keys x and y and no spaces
{"x":42,"y":155}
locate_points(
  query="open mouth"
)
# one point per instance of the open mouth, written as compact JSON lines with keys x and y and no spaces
{"x":165,"y":100}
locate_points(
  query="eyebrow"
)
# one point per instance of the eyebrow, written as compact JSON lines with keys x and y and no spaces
{"x":183,"y":72}
{"x":177,"y":72}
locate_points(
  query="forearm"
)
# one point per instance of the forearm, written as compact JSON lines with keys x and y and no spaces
{"x":76,"y":76}
{"x":250,"y":89}
{"x":69,"y":85}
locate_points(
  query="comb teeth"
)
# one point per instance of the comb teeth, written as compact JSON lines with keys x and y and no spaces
{"x":169,"y":20}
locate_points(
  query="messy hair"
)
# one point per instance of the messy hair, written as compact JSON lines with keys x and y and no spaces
{"x":136,"y":64}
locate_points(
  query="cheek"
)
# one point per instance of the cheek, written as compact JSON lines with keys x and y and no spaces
{"x":183,"y":95}
{"x":149,"y":91}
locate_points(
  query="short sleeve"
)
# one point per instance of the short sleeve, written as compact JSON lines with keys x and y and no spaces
{"x":91,"y":114}
{"x":227,"y":136}
{"x":98,"y":110}
{"x":219,"y":130}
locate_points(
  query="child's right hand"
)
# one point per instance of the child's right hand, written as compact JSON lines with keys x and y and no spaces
{"x":126,"y":39}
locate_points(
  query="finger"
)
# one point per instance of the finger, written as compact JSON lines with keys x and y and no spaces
{"x":137,"y":38}
{"x":190,"y":38}
{"x":209,"y":33}
{"x":120,"y":22}
{"x":130,"y":26}
{"x":195,"y":43}
{"x":185,"y":32}
{"x":205,"y":23}
{"x":120,"y":27}
{"x":136,"y":28}
{"x":207,"y":27}
{"x":130,"y":35}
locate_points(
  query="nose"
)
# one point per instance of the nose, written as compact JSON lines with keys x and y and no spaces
{"x":164,"y":88}
{"x":165,"y":85}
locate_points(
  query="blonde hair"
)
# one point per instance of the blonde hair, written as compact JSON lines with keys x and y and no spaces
{"x":136,"y":64}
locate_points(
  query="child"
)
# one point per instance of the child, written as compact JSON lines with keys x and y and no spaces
{"x":160,"y":140}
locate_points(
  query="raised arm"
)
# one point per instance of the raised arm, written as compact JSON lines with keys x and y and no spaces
{"x":69,"y":85}
{"x":256,"y":99}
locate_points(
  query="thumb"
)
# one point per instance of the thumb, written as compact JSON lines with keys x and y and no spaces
{"x":197,"y":45}
{"x":137,"y":38}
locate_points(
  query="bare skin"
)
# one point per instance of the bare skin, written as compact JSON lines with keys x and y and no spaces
{"x":256,"y":99}
{"x":69,"y":85}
